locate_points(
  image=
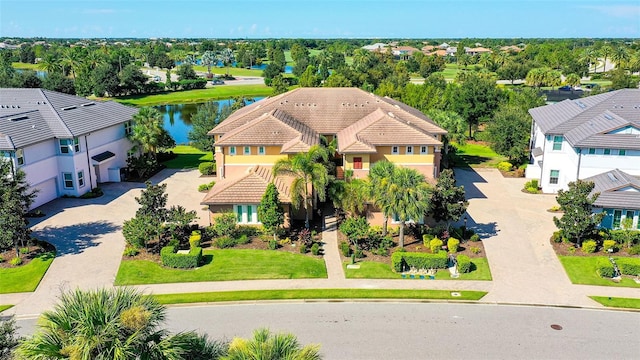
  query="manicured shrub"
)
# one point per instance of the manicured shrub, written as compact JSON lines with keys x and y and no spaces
{"x":249,"y":230}
{"x":401,"y":261}
{"x":426,"y":239}
{"x":303,"y":249}
{"x":206,"y":187}
{"x":435,"y":245}
{"x":557,"y":237}
{"x":610,"y":244}
{"x":604,"y":268}
{"x":225,"y":224}
{"x":131,"y":251}
{"x":243,"y":239}
{"x":24,"y":250}
{"x":180,"y":261}
{"x":464,"y":263}
{"x":476,"y":250}
{"x":475,"y":237}
{"x":273,"y":244}
{"x":589,"y":246}
{"x":629,"y":266}
{"x":315,"y":249}
{"x":345,"y":249}
{"x":634,"y":250}
{"x":531,"y":186}
{"x":207,"y":168}
{"x":452,"y":245}
{"x":224,"y":242}
{"x":505,"y":166}
{"x":359,"y":253}
{"x":15,"y":261}
{"x":195,"y":239}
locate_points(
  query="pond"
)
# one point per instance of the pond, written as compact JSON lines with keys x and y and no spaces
{"x":177,"y":117}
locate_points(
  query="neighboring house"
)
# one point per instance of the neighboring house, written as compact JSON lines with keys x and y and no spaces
{"x":476,"y":51}
{"x":619,"y":198}
{"x":403,"y":52}
{"x":65,"y":144}
{"x":368,"y":128}
{"x":380,"y":47}
{"x":576,"y":139}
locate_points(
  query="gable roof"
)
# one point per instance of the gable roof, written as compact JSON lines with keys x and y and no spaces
{"x":29,"y":116}
{"x":248,"y":188}
{"x":586,"y":122}
{"x":617,"y":189}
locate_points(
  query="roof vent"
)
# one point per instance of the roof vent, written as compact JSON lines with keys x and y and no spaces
{"x":391,"y":114}
{"x":88,"y":104}
{"x":18,"y":118}
{"x":581,"y":104}
{"x":69,"y":107}
{"x":608,"y":117}
{"x":612,"y":177}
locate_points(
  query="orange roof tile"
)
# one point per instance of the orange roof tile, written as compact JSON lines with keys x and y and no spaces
{"x":248,"y":188}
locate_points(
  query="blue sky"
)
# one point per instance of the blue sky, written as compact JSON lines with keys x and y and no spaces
{"x":320,"y":19}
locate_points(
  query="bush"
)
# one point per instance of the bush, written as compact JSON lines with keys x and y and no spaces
{"x":401,"y":261}
{"x":464,"y":263}
{"x":355,"y":228}
{"x":315,"y":249}
{"x":475,"y":237}
{"x":505,"y":166}
{"x":206,"y":187}
{"x":303,"y":249}
{"x":195,"y":239}
{"x":426,"y":239}
{"x":531,"y":186}
{"x":181,"y":261}
{"x":634,"y":250}
{"x":224,"y":242}
{"x":609,"y":244}
{"x":243,"y":239}
{"x":452,"y":245}
{"x":557,"y":237}
{"x":345,"y":249}
{"x":475,"y":250}
{"x":15,"y":261}
{"x":131,"y":251}
{"x":24,"y":250}
{"x":435,"y":245}
{"x":273,"y":244}
{"x":359,"y":253}
{"x":589,"y":246}
{"x":225,"y":224}
{"x":604,"y":268}
{"x":628,"y":266}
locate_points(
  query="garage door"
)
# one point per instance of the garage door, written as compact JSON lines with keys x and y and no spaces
{"x":47,"y":191}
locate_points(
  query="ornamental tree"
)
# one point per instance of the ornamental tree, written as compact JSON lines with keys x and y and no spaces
{"x":270,"y":210}
{"x":578,"y":221}
{"x":448,"y":202}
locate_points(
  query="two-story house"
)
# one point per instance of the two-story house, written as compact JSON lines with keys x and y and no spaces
{"x":65,"y":144}
{"x":577,"y":139}
{"x":367,"y":127}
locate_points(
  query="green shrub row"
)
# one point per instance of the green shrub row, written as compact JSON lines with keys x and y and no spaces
{"x":224,"y":242}
{"x":604,"y":268}
{"x":464,"y":263}
{"x":401,"y":261}
{"x":345,"y":249}
{"x":206,"y":187}
{"x":589,"y":246}
{"x":181,"y":261}
{"x":629,"y":266}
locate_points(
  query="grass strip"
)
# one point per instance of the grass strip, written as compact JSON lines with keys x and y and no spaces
{"x":299,"y":294}
{"x":582,"y":270}
{"x":5,"y":307}
{"x":25,"y":278}
{"x":196,"y":96}
{"x":188,"y":157}
{"x":616,"y":302}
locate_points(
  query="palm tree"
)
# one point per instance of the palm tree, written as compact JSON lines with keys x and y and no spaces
{"x":379,"y":180}
{"x":208,"y":59}
{"x":307,"y":172}
{"x":605,"y":52}
{"x":147,"y":129}
{"x":410,"y":196}
{"x":589,"y":56}
{"x":268,"y":346}
{"x":112,"y":324}
{"x":51,"y":62}
{"x":620,"y":56}
{"x":227,"y":58}
{"x":71,"y":59}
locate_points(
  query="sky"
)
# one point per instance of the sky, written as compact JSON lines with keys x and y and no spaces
{"x":320,"y":19}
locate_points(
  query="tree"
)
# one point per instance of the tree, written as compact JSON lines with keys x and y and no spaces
{"x":309,"y":78}
{"x":206,"y":118}
{"x":57,"y":82}
{"x":337,"y":80}
{"x":227,"y":58}
{"x":28,"y":79}
{"x":132,"y":79}
{"x":620,"y":56}
{"x":209,"y":58}
{"x":308,"y":174}
{"x":572,"y":79}
{"x":578,"y":221}
{"x":621,"y":80}
{"x":104,"y":79}
{"x":450,"y":121}
{"x":147,"y":130}
{"x":512,"y":71}
{"x":279,"y":85}
{"x":186,"y":72}
{"x":410,"y":196}
{"x":138,"y":230}
{"x":116,"y":323}
{"x":270,"y":211}
{"x":27,"y":55}
{"x":605,"y":51}
{"x":509,"y":134}
{"x":447,"y":201}
{"x":16,"y":198}
{"x":9,"y":339}
{"x":380,"y":175}
{"x":265,"y":345}
{"x":476,"y":99}
{"x":153,"y":201}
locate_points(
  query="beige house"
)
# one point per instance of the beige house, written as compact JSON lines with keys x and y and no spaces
{"x":368,"y":128}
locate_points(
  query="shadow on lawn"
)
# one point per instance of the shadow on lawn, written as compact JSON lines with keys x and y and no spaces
{"x":185,"y":161}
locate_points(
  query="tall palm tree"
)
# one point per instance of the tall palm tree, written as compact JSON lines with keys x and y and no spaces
{"x":605,"y":52}
{"x":51,"y":62}
{"x":147,"y":130}
{"x":267,"y":346}
{"x":112,"y":324}
{"x":379,"y":180}
{"x":620,"y":56}
{"x":589,"y":56}
{"x":410,"y":196}
{"x":208,"y":59}
{"x":72,"y":59}
{"x":307,"y":173}
{"x":227,"y":58}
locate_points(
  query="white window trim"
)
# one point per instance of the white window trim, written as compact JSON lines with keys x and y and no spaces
{"x":395,"y":150}
{"x":64,"y":181}
{"x":550,"y":177}
{"x":244,"y":150}
{"x":426,"y":150}
{"x":553,"y":142}
{"x":244,"y":218}
{"x":19,"y":155}
{"x":81,"y":182}
{"x":409,"y":150}
{"x":128,"y":128}
{"x":232,"y":150}
{"x":261,"y":150}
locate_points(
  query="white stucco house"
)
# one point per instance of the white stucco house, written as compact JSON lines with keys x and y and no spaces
{"x":65,"y":144}
{"x":578,"y":139}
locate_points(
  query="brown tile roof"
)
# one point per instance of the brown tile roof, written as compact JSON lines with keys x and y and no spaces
{"x":247,"y":188}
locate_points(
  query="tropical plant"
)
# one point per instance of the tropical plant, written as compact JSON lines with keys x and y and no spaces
{"x":116,"y":323}
{"x":410,"y":196}
{"x":508,"y":133}
{"x":265,"y":345}
{"x":148,"y":131}
{"x":208,"y":59}
{"x":9,"y":338}
{"x":270,"y":211}
{"x":309,"y":177}
{"x":227,"y":58}
{"x":380,"y":175}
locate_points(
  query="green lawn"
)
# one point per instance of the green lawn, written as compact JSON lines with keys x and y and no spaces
{"x":188,"y":157}
{"x":582,"y":270}
{"x":228,"y":264}
{"x":477,"y":155}
{"x":26,"y":66}
{"x":450,"y":72}
{"x":377,"y":270}
{"x":25,"y":278}
{"x":196,"y":96}
{"x":626,"y":303}
{"x":232,"y":71}
{"x":317,"y":294}
{"x":5,"y":307}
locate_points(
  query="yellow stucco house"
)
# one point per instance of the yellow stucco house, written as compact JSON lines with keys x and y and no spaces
{"x":368,"y":128}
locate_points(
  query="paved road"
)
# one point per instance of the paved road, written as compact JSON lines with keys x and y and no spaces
{"x":424,"y":330}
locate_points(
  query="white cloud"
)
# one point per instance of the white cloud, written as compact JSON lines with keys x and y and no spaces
{"x":623,"y":11}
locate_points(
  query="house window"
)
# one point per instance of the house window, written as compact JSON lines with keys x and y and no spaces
{"x":232,"y":150}
{"x":247,"y":150}
{"x":395,"y":150}
{"x":554,"y":176}
{"x":557,"y":142}
{"x":81,"y":179}
{"x":20,"y":157}
{"x":409,"y":150}
{"x":622,"y":152}
{"x":617,"y":218}
{"x":128,"y":128}
{"x":67,"y":144}
{"x":261,"y":150}
{"x":239,"y":214}
{"x":607,"y":151}
{"x":68,"y":180}
{"x":247,"y":214}
{"x":357,"y":163}
{"x":424,"y":150}
{"x":592,"y":151}
{"x":638,"y":221}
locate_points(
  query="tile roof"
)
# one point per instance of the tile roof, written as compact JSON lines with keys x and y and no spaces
{"x":617,"y":190}
{"x":248,"y":188}
{"x":586,"y":122}
{"x":29,"y":116}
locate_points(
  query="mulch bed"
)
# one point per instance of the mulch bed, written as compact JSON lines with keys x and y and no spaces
{"x":563,"y":249}
{"x":34,"y":251}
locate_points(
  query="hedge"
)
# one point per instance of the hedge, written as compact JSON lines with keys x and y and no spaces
{"x":604,"y":268}
{"x":207,"y":168}
{"x":628,"y":266}
{"x":181,"y":261}
{"x":406,"y":260}
{"x":464,"y":263}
